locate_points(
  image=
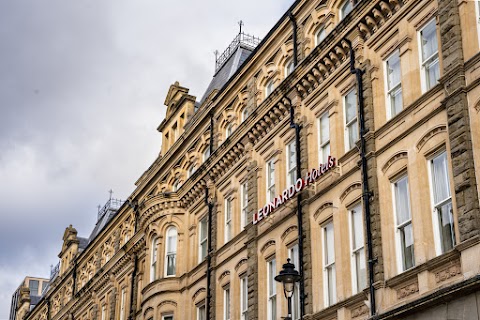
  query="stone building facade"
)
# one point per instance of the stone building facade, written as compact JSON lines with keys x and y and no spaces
{"x":396,"y":213}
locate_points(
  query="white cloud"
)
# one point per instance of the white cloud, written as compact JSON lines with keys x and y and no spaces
{"x":82,"y":85}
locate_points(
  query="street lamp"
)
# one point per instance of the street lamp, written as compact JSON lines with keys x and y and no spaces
{"x":288,"y":276}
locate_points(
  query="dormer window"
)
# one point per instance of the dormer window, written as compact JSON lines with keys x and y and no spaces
{"x":345,"y":9}
{"x":268,"y":88}
{"x":289,"y":67}
{"x":320,"y":35}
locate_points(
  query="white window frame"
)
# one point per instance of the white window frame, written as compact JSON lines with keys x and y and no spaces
{"x":349,"y":124}
{"x":199,"y":312}
{"x":244,"y":204}
{"x":228,"y":219}
{"x":153,"y":259}
{"x":289,"y":67}
{"x":436,"y":226}
{"x":323,"y":146}
{"x":395,"y":89}
{"x":270,"y":175}
{"x":320,"y":35}
{"x":271,"y":289}
{"x":173,"y":253}
{"x":355,"y":251}
{"x":167,"y":317}
{"x":123,"y":297}
{"x":401,"y":263}
{"x":104,"y":312}
{"x":293,"y":255}
{"x":291,"y":168}
{"x":202,"y":239}
{"x":328,"y":266}
{"x":434,"y":58}
{"x":269,"y":87}
{"x":227,"y":307}
{"x":244,"y":297}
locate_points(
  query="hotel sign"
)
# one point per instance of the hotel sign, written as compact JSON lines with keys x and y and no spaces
{"x":290,"y":192}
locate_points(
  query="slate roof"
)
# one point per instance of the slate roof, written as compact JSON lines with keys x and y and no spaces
{"x":101,"y":223}
{"x":227,"y":70}
{"x":83,"y":243}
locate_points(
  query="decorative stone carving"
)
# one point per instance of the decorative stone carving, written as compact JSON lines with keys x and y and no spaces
{"x":407,"y":290}
{"x":448,"y":272}
{"x":359,"y":311}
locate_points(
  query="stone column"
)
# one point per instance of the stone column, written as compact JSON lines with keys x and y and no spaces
{"x":459,"y":132}
{"x":113,"y":303}
{"x":252,"y":249}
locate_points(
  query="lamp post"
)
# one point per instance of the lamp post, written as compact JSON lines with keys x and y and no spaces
{"x":288,"y":277}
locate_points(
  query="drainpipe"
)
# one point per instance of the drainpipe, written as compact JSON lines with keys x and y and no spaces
{"x":299,"y":213}
{"x":132,"y":288}
{"x":299,"y":174}
{"x":365,"y":192}
{"x":209,"y":249}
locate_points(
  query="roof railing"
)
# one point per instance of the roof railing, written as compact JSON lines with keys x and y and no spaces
{"x":111,"y":205}
{"x":240,"y":39}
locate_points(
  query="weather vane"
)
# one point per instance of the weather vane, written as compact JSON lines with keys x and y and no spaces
{"x":240,"y":23}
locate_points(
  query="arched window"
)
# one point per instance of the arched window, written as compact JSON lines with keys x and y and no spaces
{"x":171,"y":252}
{"x":206,"y":153}
{"x":153,"y":259}
{"x":191,"y":170}
{"x":345,"y":9}
{"x":289,"y":67}
{"x":244,"y":114}
{"x":268,"y":88}
{"x":176,"y":185}
{"x":228,"y":131}
{"x":320,"y":35}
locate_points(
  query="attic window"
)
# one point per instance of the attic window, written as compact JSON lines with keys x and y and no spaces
{"x":345,"y":8}
{"x":228,"y":131}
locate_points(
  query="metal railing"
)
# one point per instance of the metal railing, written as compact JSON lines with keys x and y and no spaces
{"x":112,"y":204}
{"x":241,"y":38}
{"x":54,"y":271}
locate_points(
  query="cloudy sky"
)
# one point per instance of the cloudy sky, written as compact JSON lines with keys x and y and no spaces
{"x":82,"y":85}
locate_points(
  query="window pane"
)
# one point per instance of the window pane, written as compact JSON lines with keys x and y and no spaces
{"x":351,"y":106}
{"x":352,"y":134}
{"x":360,"y":265}
{"x":432,"y":73}
{"x":447,"y":231}
{"x":357,"y":227}
{"x":321,"y":34}
{"x":440,"y":178}
{"x":329,"y":248}
{"x":402,"y":201}
{"x":393,"y":70}
{"x":324,"y":129}
{"x":429,"y":40}
{"x":396,"y":101}
{"x":407,"y":246}
{"x":331,"y":285}
{"x":345,"y":9}
{"x":33,"y":285}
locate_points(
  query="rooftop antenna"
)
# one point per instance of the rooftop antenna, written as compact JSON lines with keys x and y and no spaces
{"x":111,"y":192}
{"x":240,"y":23}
